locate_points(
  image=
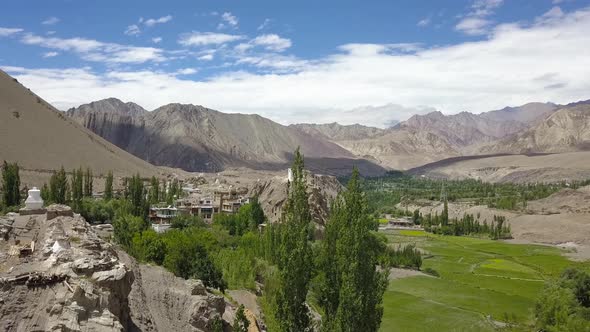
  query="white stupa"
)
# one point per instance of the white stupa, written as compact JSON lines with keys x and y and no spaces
{"x":34,"y":200}
{"x":290,"y":175}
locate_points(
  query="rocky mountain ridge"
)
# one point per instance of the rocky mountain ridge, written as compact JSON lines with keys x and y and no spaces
{"x":199,"y":139}
{"x":565,"y":130}
{"x":196,"y":138}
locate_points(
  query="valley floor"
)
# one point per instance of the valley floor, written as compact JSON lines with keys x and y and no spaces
{"x":483,"y":284}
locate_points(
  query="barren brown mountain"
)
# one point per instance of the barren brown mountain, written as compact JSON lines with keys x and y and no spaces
{"x":423,"y":139}
{"x":41,"y":138}
{"x":196,"y":138}
{"x":568,"y":129}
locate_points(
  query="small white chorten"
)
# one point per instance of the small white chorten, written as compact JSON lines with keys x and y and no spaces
{"x":290,"y":175}
{"x":34,"y":201}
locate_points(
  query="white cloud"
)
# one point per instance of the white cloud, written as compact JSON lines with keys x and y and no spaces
{"x":6,"y":32}
{"x":153,"y":21}
{"x":50,"y":32}
{"x":473,"y":26}
{"x":51,"y":21}
{"x":186,"y":71}
{"x":424,"y":22}
{"x":156,"y":40}
{"x":272,"y":42}
{"x":206,"y":38}
{"x":50,"y":54}
{"x":228,"y":19}
{"x":132,"y":30}
{"x":264,"y":24}
{"x":476,"y":21}
{"x":546,"y":60}
{"x":93,"y":50}
{"x":206,"y":57}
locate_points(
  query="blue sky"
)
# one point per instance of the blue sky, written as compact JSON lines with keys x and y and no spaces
{"x":307,"y":61}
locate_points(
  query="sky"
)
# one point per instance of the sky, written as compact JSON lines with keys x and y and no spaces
{"x":367,"y":62}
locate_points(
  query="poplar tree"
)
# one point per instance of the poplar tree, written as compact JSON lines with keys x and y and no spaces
{"x":295,"y":256}
{"x":58,"y":187}
{"x":445,"y":214}
{"x":154,"y":195}
{"x":88,"y":180}
{"x":350,"y":285}
{"x":137,"y":194}
{"x":45,"y":195}
{"x":77,"y":187}
{"x":10,"y":184}
{"x":108,"y":186}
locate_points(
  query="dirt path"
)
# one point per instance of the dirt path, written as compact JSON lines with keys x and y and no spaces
{"x":396,"y":273}
{"x":247,"y":298}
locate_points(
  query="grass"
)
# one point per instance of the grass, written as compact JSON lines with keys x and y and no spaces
{"x":480,"y":280}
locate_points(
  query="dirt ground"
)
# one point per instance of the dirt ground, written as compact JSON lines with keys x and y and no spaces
{"x":562,"y":218}
{"x":395,"y":273}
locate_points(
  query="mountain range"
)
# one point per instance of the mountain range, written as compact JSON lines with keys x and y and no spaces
{"x":123,"y":136}
{"x":196,"y":138}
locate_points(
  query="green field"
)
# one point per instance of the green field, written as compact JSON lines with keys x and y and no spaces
{"x":480,"y":281}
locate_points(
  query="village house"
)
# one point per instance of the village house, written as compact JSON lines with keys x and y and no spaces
{"x":196,"y":204}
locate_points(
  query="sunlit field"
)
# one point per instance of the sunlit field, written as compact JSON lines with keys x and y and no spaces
{"x":483,"y":284}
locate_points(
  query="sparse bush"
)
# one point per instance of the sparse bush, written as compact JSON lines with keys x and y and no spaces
{"x":431,"y":271}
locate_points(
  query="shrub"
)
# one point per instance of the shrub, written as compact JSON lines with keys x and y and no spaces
{"x":431,"y":272}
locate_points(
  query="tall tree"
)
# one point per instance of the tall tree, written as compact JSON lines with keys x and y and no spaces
{"x":108,"y":186}
{"x":445,"y":214}
{"x":10,"y":184}
{"x":77,"y":187}
{"x":154,"y":196}
{"x":58,"y":187}
{"x":173,"y":192}
{"x":88,"y":183}
{"x":45,"y":195}
{"x":256,"y":213}
{"x":351,"y":287}
{"x":137,"y":196}
{"x":295,"y":257}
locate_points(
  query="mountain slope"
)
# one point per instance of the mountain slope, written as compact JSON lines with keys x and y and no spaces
{"x":527,"y":114}
{"x":195,"y":138}
{"x":462,"y":129}
{"x":566,"y":130}
{"x":39,"y":137}
{"x":431,"y":137}
{"x":336,"y":132}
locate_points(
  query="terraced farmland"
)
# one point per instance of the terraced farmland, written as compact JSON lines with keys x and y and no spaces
{"x":483,"y":284}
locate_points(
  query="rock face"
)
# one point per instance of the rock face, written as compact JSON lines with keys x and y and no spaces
{"x":159,"y":301}
{"x":195,"y":138}
{"x":71,"y":281}
{"x":58,"y":275}
{"x":431,"y":137}
{"x":566,"y":130}
{"x":272,"y":194}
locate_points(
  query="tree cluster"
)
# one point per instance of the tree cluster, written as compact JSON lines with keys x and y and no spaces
{"x":564,"y":304}
{"x":10,"y":185}
{"x":467,"y":225}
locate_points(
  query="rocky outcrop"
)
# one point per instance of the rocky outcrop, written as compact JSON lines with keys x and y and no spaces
{"x":70,"y":280}
{"x":159,"y":301}
{"x":272,"y":194}
{"x":58,"y":275}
